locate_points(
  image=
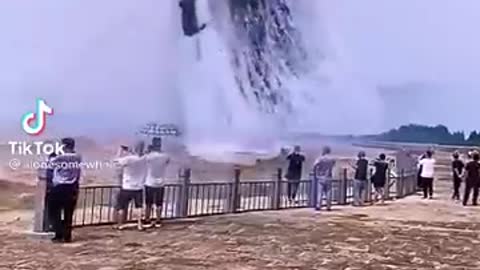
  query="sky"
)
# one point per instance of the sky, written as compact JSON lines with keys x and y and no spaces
{"x":422,"y":56}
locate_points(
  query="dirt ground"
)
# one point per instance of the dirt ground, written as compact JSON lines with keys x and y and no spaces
{"x":406,"y":234}
{"x":410,"y":233}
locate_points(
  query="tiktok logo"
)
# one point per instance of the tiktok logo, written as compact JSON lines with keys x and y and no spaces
{"x":35,"y":123}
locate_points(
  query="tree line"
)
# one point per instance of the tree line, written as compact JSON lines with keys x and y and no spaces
{"x":439,"y":134}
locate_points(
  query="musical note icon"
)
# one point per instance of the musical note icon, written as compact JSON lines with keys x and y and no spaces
{"x":35,"y":123}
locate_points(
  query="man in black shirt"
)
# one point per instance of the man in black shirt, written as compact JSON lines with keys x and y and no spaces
{"x":472,"y":178}
{"x":294,"y":172}
{"x":360,"y":182}
{"x":457,"y":167}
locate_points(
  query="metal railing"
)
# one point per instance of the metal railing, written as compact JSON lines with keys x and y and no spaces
{"x":95,"y":205}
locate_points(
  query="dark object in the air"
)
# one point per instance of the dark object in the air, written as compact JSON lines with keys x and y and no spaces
{"x":190,"y":24}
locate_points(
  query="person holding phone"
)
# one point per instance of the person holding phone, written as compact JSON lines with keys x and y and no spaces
{"x":134,"y":167}
{"x":294,"y":172}
{"x":157,"y":163}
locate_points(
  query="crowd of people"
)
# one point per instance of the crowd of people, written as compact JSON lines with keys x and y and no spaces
{"x":322,"y":172}
{"x":468,"y":172}
{"x":141,"y":176}
{"x":142,"y":179}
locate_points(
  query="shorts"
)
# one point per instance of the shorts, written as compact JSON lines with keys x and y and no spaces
{"x":154,"y":195}
{"x":126,"y":196}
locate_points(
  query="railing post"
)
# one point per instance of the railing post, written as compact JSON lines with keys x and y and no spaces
{"x":184,"y":198}
{"x":368,"y":193}
{"x":314,"y":191}
{"x":387,"y":185}
{"x":40,"y":220}
{"x":412,"y":182}
{"x":342,"y":200}
{"x":235,"y":194}
{"x":401,"y":185}
{"x":277,"y":195}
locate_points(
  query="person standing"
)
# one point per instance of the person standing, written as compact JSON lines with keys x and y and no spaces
{"x":294,"y":172}
{"x":379,"y":177}
{"x":419,"y":173}
{"x":323,"y":174}
{"x":157,"y":163}
{"x":64,"y":190}
{"x":134,"y":168}
{"x":428,"y":173}
{"x":360,"y":181}
{"x":457,"y":170}
{"x":472,"y":179}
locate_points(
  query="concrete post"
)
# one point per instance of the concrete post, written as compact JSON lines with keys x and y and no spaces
{"x":40,"y":221}
{"x":314,"y":203}
{"x":342,"y":200}
{"x":368,"y":193}
{"x":182,"y":205}
{"x":403,"y":183}
{"x":398,"y":187}
{"x":235,"y":194}
{"x":387,"y":185}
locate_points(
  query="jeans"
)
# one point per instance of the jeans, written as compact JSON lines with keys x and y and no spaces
{"x":457,"y":182}
{"x":379,"y":192}
{"x":62,"y":199}
{"x":358,"y":189}
{"x":325,"y":190}
{"x":292,"y":189}
{"x":471,"y":184}
{"x":427,"y":187}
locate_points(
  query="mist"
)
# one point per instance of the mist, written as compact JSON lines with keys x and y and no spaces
{"x":109,"y":66}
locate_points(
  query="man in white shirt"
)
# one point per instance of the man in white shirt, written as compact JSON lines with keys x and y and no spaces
{"x":427,"y":174}
{"x":157,"y":163}
{"x":134,"y":167}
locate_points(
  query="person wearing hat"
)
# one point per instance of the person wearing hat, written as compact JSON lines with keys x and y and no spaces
{"x":457,"y":170}
{"x":323,"y":174}
{"x":64,"y":190}
{"x":472,"y":179}
{"x":360,"y":181}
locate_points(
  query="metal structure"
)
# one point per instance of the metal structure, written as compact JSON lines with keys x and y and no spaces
{"x":159,"y":130}
{"x":96,"y":203}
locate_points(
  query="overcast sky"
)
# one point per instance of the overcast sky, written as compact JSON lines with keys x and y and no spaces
{"x":76,"y":53}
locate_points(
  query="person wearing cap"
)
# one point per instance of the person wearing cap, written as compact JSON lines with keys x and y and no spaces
{"x":379,"y":177}
{"x":472,"y":179}
{"x":428,"y":173}
{"x":323,"y":174}
{"x":294,"y":172}
{"x":134,"y":169}
{"x":64,"y":190}
{"x":360,"y":181}
{"x":457,"y":171}
{"x":157,"y":163}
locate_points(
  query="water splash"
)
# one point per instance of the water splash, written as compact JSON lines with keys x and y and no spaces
{"x":252,"y":76}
